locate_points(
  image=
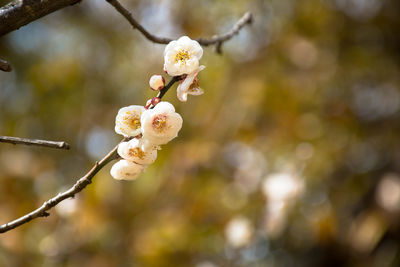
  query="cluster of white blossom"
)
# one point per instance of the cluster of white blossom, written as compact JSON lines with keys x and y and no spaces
{"x":157,"y":123}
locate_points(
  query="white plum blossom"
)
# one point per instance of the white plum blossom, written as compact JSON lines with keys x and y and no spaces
{"x":239,"y":232}
{"x":182,"y":56}
{"x":132,"y":151}
{"x":126,"y":170}
{"x":157,"y":82}
{"x":160,"y":125}
{"x":283,"y":186}
{"x":190,"y":85}
{"x":127,"y":121}
{"x":157,"y":123}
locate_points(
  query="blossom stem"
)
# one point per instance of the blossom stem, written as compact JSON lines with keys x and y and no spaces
{"x":169,"y":85}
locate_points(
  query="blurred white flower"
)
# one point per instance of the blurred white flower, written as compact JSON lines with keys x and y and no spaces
{"x":239,"y":232}
{"x":388,"y":192}
{"x":126,"y":170}
{"x":157,"y":82}
{"x":127,"y":121}
{"x":159,"y":125}
{"x":190,"y":85}
{"x":281,"y":187}
{"x":132,"y":151}
{"x":182,"y":56}
{"x":67,"y":207}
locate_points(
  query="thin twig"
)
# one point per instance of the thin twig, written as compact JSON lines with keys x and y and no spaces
{"x":5,"y":66}
{"x":76,"y":188}
{"x":34,"y":142}
{"x":217,"y":40}
{"x":169,"y":85}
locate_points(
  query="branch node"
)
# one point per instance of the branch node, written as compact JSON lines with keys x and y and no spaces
{"x":218,"y":48}
{"x":5,"y":66}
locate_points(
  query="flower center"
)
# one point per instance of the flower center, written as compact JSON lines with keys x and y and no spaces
{"x":160,"y":122}
{"x":133,"y":121}
{"x":136,"y":152}
{"x":195,"y":84}
{"x":182,"y":56}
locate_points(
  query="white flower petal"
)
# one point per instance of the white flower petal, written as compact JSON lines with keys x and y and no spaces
{"x":182,"y":95}
{"x":185,"y":87}
{"x":126,"y":170}
{"x":196,"y":91}
{"x":170,"y":46}
{"x":164,"y":106}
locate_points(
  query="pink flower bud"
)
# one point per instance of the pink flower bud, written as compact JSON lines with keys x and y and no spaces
{"x":152,"y":102}
{"x":148,"y":104}
{"x":155,"y":101}
{"x":157,"y":82}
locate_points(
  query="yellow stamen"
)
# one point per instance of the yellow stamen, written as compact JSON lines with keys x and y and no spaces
{"x":136,"y":152}
{"x":182,"y":56}
{"x":160,"y":123}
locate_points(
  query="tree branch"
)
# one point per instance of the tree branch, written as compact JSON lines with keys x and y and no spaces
{"x":76,"y":188}
{"x":21,"y":12}
{"x":34,"y":142}
{"x":216,"y":40}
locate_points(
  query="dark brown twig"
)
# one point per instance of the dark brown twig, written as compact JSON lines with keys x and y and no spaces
{"x":169,"y":85}
{"x":33,"y":142}
{"x":215,"y":40}
{"x":5,"y":66}
{"x":76,"y":188}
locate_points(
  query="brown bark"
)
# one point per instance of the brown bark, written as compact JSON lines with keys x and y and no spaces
{"x":21,"y":12}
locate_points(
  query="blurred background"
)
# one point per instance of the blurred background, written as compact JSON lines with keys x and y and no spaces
{"x":290,"y":158}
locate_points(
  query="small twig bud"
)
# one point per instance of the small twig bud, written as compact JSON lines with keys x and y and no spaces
{"x":5,"y":66}
{"x":152,"y":102}
{"x":157,"y":82}
{"x":155,"y":101}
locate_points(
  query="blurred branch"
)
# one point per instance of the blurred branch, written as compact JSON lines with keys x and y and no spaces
{"x":76,"y":188}
{"x":21,"y":12}
{"x":216,"y":40}
{"x":5,"y":66}
{"x":33,"y":142}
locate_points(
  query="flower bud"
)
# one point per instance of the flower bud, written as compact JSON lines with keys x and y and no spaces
{"x":152,"y":102}
{"x":155,"y":101}
{"x":157,"y":82}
